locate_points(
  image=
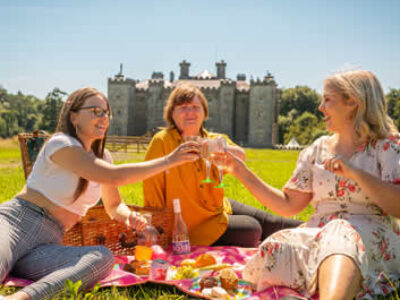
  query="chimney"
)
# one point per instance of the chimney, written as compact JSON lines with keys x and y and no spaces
{"x":157,"y":75}
{"x":241,"y":77}
{"x":171,"y":76}
{"x":184,"y":70}
{"x":221,"y":69}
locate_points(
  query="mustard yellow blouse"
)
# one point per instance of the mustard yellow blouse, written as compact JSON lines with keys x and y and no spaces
{"x":204,"y":208}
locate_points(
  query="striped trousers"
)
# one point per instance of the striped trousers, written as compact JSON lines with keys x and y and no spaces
{"x":30,"y":248}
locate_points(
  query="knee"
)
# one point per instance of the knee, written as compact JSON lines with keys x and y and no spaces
{"x":251,"y":232}
{"x":102,"y":257}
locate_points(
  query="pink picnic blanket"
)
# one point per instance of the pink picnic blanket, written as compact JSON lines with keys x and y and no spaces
{"x":235,"y":256}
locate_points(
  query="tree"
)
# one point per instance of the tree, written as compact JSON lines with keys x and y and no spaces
{"x":305,"y":129}
{"x":51,"y":109}
{"x":300,"y":98}
{"x":393,"y":99}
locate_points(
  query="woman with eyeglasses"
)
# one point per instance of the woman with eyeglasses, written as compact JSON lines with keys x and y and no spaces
{"x":70,"y":174}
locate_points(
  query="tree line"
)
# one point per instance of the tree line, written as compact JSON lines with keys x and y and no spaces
{"x":26,"y":113}
{"x":299,"y":116}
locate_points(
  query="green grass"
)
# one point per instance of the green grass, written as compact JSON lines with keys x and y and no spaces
{"x":273,"y":166}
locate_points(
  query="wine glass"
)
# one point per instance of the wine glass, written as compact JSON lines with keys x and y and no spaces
{"x":206,"y":155}
{"x":219,"y":160}
{"x":216,"y":149}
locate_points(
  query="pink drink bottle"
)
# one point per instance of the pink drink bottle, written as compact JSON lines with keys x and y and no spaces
{"x":180,"y":236}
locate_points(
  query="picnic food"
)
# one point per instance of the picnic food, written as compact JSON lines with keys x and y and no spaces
{"x":229,"y":279}
{"x":208,"y":282}
{"x":219,"y":292}
{"x":205,"y":260}
{"x":207,"y":292}
{"x":188,"y":262}
{"x":143,"y":252}
{"x":185,"y":272}
{"x":141,"y":267}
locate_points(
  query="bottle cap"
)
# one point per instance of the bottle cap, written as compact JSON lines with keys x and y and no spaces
{"x":177,"y":205}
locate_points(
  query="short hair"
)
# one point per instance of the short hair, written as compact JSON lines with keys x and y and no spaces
{"x":371,"y":121}
{"x":184,"y":93}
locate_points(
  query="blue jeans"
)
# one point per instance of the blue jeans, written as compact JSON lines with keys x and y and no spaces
{"x":31,"y":249}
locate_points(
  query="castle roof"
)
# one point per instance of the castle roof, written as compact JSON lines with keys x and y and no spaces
{"x":200,"y":83}
{"x":205,"y":75}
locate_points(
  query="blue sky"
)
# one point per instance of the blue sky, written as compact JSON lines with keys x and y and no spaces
{"x":76,"y":43}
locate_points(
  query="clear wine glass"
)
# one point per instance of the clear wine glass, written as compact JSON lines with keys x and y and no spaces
{"x":219,"y":161}
{"x":206,"y":155}
{"x":216,"y":149}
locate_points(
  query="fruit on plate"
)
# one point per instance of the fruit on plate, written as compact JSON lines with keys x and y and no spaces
{"x":204,"y":260}
{"x":185,"y":272}
{"x":188,"y":262}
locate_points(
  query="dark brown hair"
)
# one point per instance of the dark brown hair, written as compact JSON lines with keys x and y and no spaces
{"x":183,"y":94}
{"x":75,"y":101}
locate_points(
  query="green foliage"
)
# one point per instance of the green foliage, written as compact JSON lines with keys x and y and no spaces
{"x":26,"y":113}
{"x":299,"y":112}
{"x":302,"y":99}
{"x":393,"y":100}
{"x":305,"y":129}
{"x":52,"y":108}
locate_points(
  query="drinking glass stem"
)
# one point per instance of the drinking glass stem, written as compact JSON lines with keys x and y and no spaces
{"x":221,"y":174}
{"x":208,"y":166}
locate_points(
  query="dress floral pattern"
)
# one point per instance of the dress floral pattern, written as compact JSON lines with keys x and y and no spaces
{"x":345,"y":222}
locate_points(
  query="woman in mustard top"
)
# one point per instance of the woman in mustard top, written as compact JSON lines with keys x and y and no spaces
{"x":212,"y":219}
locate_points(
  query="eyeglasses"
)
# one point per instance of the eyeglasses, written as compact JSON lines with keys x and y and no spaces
{"x":97,"y":111}
{"x":187,"y":108}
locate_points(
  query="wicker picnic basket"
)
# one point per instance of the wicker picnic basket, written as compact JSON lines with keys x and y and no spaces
{"x":96,"y":227}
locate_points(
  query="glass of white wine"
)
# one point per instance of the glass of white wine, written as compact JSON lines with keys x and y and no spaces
{"x":216,"y":149}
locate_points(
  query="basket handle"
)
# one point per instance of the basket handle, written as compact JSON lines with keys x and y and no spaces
{"x":124,"y":243}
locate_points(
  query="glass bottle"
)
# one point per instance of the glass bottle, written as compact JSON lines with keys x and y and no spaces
{"x":180,"y":236}
{"x":149,"y":236}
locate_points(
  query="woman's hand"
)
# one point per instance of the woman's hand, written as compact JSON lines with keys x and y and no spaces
{"x":228,"y":161}
{"x":136,"y":220}
{"x":340,"y":166}
{"x":189,"y":151}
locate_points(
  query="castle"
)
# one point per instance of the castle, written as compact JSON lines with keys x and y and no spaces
{"x":246,"y":111}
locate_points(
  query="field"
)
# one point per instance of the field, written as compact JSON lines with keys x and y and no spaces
{"x":273,"y":166}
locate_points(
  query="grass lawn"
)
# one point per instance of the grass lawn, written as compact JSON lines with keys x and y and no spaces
{"x":273,"y":166}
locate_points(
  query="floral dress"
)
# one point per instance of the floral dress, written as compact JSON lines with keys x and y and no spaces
{"x":345,"y":222}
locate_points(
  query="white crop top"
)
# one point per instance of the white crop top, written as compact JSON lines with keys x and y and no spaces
{"x":58,"y":184}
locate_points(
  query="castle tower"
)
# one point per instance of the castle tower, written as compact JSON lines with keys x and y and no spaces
{"x":221,"y":69}
{"x":226,"y":110}
{"x":263,"y":112}
{"x":184,"y":70}
{"x":155,"y":104}
{"x":121,"y":94}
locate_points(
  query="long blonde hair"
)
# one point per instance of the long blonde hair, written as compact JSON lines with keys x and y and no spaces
{"x":371,"y":121}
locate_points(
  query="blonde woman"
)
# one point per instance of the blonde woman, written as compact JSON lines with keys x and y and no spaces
{"x":351,"y":244}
